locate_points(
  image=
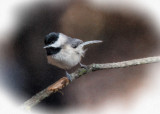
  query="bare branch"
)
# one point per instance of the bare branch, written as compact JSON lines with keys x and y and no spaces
{"x":53,"y":88}
{"x":63,"y":82}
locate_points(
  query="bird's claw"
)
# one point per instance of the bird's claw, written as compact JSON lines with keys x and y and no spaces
{"x":68,"y":76}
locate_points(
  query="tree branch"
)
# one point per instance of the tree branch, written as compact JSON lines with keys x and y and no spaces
{"x":63,"y":82}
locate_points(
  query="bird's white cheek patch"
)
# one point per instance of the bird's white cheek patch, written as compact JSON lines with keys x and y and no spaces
{"x":61,"y":41}
{"x":56,"y":44}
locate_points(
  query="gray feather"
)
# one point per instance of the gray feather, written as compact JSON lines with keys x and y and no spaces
{"x":74,"y":42}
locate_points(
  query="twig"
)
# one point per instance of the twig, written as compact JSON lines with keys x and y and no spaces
{"x":63,"y":82}
{"x":57,"y":86}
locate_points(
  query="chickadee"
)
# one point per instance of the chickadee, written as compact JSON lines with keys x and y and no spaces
{"x":65,"y":52}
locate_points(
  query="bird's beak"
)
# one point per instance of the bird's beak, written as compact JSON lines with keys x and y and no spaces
{"x":55,"y":45}
{"x":47,"y":46}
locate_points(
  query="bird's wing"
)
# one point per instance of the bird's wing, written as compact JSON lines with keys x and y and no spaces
{"x":74,"y":42}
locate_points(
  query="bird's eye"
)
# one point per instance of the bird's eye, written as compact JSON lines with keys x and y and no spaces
{"x":52,"y":42}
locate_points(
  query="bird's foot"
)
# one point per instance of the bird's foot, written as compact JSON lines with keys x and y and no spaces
{"x":68,"y":76}
{"x":83,"y":66}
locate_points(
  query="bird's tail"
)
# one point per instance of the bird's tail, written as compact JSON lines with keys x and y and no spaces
{"x":80,"y":47}
{"x":90,"y":42}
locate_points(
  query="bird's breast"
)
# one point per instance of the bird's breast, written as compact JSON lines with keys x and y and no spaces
{"x":67,"y":58}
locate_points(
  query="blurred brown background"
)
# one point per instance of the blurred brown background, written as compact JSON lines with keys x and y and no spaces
{"x":125,"y":36}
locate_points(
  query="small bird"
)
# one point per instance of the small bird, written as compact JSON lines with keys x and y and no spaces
{"x":65,"y":52}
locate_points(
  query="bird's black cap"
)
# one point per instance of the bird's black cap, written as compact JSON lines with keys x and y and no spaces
{"x":51,"y":38}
